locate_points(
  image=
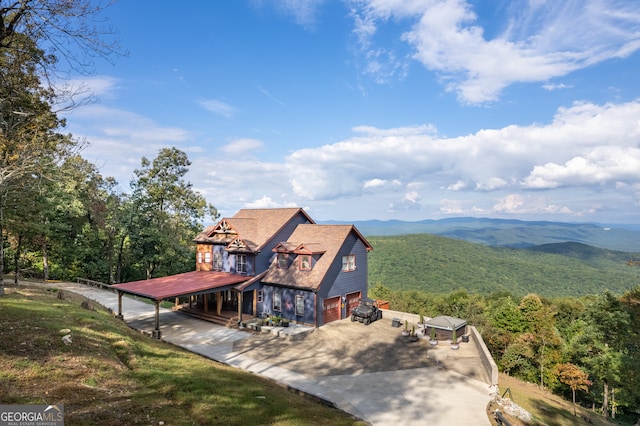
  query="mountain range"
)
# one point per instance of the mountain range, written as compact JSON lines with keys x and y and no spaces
{"x":512,"y":233}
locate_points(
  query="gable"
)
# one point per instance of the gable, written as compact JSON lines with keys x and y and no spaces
{"x":324,"y":243}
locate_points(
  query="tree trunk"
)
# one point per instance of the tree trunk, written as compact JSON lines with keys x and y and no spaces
{"x":45,"y":260}
{"x":119,"y":261}
{"x":613,"y":402}
{"x":574,"y":402}
{"x":16,"y":261}
{"x":605,"y":400}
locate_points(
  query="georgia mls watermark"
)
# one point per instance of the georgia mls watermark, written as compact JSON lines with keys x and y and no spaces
{"x":31,"y":415}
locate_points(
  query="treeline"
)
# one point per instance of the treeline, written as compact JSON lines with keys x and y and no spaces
{"x":72,"y":222}
{"x":591,"y":343}
{"x":438,"y":264}
{"x":59,"y":217}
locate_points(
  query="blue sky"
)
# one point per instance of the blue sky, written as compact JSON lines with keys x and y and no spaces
{"x":380,"y":109}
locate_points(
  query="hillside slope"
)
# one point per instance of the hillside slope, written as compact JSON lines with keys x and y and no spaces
{"x":439,"y":265}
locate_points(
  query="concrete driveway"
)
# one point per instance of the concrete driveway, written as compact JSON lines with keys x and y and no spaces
{"x":371,"y":372}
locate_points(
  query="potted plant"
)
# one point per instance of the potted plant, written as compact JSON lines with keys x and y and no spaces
{"x":413,"y":337}
{"x":433,"y":341}
{"x":285,"y":322}
{"x":421,"y":319}
{"x":454,"y":340}
{"x":405,"y":332}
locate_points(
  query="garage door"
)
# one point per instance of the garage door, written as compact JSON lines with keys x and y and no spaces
{"x":331,"y":309}
{"x":352,"y":302}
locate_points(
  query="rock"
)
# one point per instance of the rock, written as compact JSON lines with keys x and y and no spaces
{"x":66,"y":339}
{"x":64,"y":331}
{"x":86,"y":305}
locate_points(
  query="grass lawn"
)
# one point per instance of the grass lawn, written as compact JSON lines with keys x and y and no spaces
{"x":112,"y":375}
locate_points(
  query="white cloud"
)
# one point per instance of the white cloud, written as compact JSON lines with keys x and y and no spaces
{"x":554,"y":168}
{"x":542,"y":41}
{"x":267,"y":203}
{"x":491,"y":184}
{"x":458,"y":186}
{"x":603,"y":165}
{"x":519,"y":204}
{"x":218,"y":107}
{"x":584,"y":146}
{"x":303,"y":12}
{"x":242,"y":146}
{"x":118,"y":139}
{"x":557,"y":86}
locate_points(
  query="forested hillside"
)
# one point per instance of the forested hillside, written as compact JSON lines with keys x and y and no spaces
{"x":439,"y":265}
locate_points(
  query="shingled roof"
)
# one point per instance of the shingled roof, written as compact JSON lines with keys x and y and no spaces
{"x":330,"y":238}
{"x":254,"y":227}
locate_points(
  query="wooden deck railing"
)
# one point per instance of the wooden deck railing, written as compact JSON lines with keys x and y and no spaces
{"x":93,"y":283}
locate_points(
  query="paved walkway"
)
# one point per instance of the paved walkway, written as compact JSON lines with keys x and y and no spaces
{"x":419,"y":396}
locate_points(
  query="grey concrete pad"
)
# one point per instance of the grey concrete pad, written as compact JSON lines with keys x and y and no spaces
{"x":418,"y":396}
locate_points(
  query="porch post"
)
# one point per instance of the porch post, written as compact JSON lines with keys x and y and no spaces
{"x":255,"y":303}
{"x":156,"y":333}
{"x":119,"y":316}
{"x":218,"y":303}
{"x":239,"y":307}
{"x":206,"y":302}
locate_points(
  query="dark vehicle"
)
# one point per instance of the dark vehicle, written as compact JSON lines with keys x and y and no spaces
{"x":366,"y":311}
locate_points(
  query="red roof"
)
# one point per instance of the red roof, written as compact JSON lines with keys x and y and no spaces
{"x":180,"y":284}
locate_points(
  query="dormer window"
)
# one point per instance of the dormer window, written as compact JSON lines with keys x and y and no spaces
{"x":282,"y":260}
{"x":241,"y":264}
{"x":305,"y":262}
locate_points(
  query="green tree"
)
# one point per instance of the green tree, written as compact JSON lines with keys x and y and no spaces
{"x":504,"y":324}
{"x":166,"y":213}
{"x":31,"y":145}
{"x":600,"y":346}
{"x":544,"y":339}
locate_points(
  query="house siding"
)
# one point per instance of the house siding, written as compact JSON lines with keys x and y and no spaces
{"x":344,"y":281}
{"x":288,"y":308}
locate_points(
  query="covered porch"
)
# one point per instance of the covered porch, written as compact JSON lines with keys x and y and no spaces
{"x":217,"y":297}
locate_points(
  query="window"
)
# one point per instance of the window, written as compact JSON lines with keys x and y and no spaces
{"x":259,"y":296}
{"x":305,"y":262}
{"x":277,"y":300}
{"x":349,"y":262}
{"x":207,"y":257}
{"x":300,"y":305}
{"x":241,"y":263}
{"x":199,"y":257}
{"x":282,"y":260}
{"x":217,"y":261}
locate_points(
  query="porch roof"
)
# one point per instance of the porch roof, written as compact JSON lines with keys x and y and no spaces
{"x":188,"y":283}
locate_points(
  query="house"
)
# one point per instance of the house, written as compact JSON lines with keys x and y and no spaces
{"x":267,"y":262}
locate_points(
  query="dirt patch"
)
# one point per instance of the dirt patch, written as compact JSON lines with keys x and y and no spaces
{"x":344,"y":347}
